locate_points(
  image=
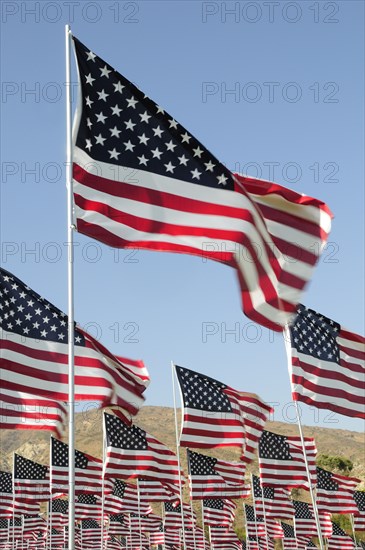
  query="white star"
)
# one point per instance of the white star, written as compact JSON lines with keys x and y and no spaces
{"x":143,"y":139}
{"x":90,"y":79}
{"x":114,"y":154}
{"x":91,"y":56}
{"x":156,"y":153}
{"x":170,"y":146}
{"x":61,"y":336}
{"x":198,"y":152}
{"x":89,"y":123}
{"x":185,"y":138}
{"x":160,"y":110}
{"x":222,"y":179}
{"x":100,"y":139}
{"x":102,"y":95}
{"x":105,"y":71}
{"x":183,"y":160}
{"x":144,"y":117}
{"x":157,"y":131}
{"x":129,"y":146}
{"x":143,"y":160}
{"x":209,"y":166}
{"x":129,"y":124}
{"x":116,"y":110}
{"x":88,"y":101}
{"x":88,"y":144}
{"x":44,"y":333}
{"x":118,"y":87}
{"x":114,"y":131}
{"x":132,"y":102}
{"x":101,"y":118}
{"x":173,"y":123}
{"x":170,"y":167}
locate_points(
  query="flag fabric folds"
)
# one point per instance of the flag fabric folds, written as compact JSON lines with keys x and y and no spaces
{"x":335,"y":492}
{"x":273,"y":502}
{"x":8,"y":504}
{"x":305,"y":521}
{"x":217,"y":511}
{"x":35,"y":354}
{"x":211,"y":477}
{"x":133,"y":453}
{"x":216,"y":415}
{"x":327,"y":364}
{"x":281,"y":460}
{"x":359,"y":516}
{"x":25,"y":411}
{"x":141,"y":180}
{"x":123,"y":498}
{"x":31,"y":480}
{"x":340,"y":540}
{"x":88,"y":470}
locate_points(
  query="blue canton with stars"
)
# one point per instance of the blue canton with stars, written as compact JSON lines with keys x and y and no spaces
{"x":26,"y":313}
{"x":121,"y":126}
{"x":315,"y":335}
{"x":274,"y":446}
{"x":121,"y":436}
{"x":201,"y":392}
{"x":201,"y":465}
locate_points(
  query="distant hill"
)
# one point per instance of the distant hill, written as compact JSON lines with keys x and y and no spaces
{"x":159,"y":421}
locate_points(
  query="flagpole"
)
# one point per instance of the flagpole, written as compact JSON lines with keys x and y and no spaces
{"x":353,"y":528}
{"x":103,"y":487}
{"x":286,"y":335}
{"x":70,"y":273}
{"x":263,"y":509}
{"x":139,"y":514}
{"x":177,"y":451}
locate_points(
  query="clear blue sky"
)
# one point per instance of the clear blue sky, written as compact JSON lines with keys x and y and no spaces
{"x":295,"y":114}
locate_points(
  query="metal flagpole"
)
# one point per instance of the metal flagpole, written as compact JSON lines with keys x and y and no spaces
{"x":177,"y":451}
{"x":203,"y":522}
{"x":314,"y":504}
{"x":139,"y":514}
{"x":103,"y":487}
{"x":264,"y":511}
{"x":353,"y":529}
{"x":70,"y":272}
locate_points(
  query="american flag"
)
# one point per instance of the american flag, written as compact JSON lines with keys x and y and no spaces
{"x":327,"y":369}
{"x":359,"y":517}
{"x":254,"y":524}
{"x":58,"y":509}
{"x":141,"y":180}
{"x":119,"y":525}
{"x":216,"y":415}
{"x":88,"y":507}
{"x":133,"y":453}
{"x":274,"y":502}
{"x":35,"y":354}
{"x":34,"y":525}
{"x":88,"y":470}
{"x":173,"y":538}
{"x":25,"y":411}
{"x":174,"y":516}
{"x":124,"y":499}
{"x":31,"y":480}
{"x":340,"y":540}
{"x":11,"y":528}
{"x":221,"y":537}
{"x":281,"y":460}
{"x":158,"y":537}
{"x":142,"y":522}
{"x":290,"y":541}
{"x":195,"y":539}
{"x":154,"y":491}
{"x":335,"y":493}
{"x":217,"y":511}
{"x":305,"y":521}
{"x":91,"y":534}
{"x":9,"y":506}
{"x":211,"y":477}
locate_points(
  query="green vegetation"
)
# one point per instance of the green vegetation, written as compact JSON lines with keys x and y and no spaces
{"x":335,"y":462}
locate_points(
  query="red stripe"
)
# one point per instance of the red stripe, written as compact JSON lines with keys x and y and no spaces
{"x":336,"y":393}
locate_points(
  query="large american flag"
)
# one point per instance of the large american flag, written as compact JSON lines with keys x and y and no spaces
{"x":25,"y":411}
{"x":340,"y":540}
{"x":359,"y":516}
{"x":273,"y":502}
{"x":305,"y":521}
{"x":335,"y":492}
{"x":133,"y":453}
{"x":8,"y":504}
{"x":141,"y":180}
{"x":124,"y":499}
{"x":327,"y":364}
{"x":216,"y":415}
{"x":214,"y":478}
{"x":31,"y":480}
{"x":88,"y":470}
{"x":218,"y":511}
{"x":58,"y":512}
{"x":281,"y":460}
{"x":255,"y":526}
{"x":34,"y":340}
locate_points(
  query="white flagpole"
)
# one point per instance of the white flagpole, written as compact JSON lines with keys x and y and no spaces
{"x":311,"y":489}
{"x":103,"y":486}
{"x":70,"y":272}
{"x":264,"y":512}
{"x":139,"y":514}
{"x":353,"y":529}
{"x":177,"y":451}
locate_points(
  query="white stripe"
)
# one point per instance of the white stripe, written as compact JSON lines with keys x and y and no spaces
{"x":328,"y":365}
{"x":328,"y":383}
{"x":359,"y":346}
